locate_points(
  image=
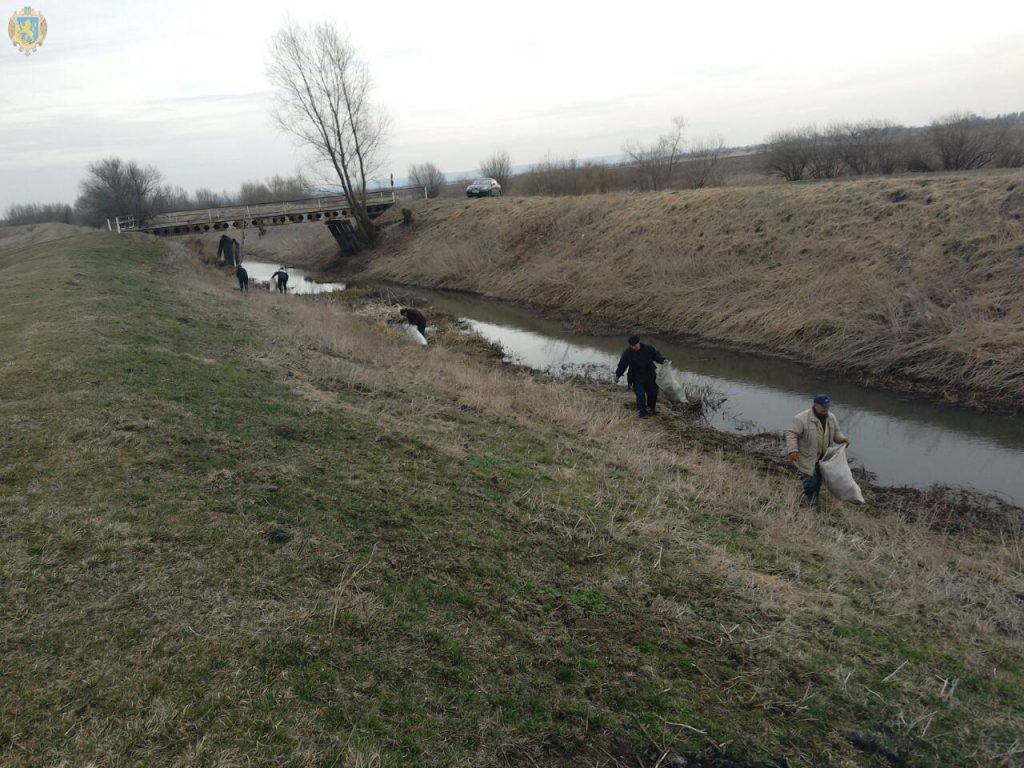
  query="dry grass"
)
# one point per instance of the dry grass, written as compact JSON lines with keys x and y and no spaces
{"x":903,"y":565}
{"x":927,"y":563}
{"x":348,"y":355}
{"x":910,"y":282}
{"x":330,"y":546}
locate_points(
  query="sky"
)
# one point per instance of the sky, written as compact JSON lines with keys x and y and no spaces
{"x":182,"y":85}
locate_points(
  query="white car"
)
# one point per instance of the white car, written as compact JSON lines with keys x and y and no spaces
{"x":484,"y":188}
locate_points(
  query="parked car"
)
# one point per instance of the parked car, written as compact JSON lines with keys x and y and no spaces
{"x":484,"y":188}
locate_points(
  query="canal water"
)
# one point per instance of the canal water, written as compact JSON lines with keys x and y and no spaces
{"x":298,"y":280}
{"x":902,"y":440}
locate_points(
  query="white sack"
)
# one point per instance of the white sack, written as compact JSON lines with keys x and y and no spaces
{"x":835,"y":470}
{"x":415,"y":335}
{"x":671,"y":383}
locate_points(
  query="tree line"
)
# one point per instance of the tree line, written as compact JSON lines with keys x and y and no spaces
{"x":117,"y":187}
{"x":671,"y":161}
{"x":960,"y":141}
{"x":325,"y":104}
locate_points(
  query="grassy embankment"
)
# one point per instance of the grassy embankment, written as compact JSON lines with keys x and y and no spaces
{"x":913,"y":283}
{"x":254,"y":530}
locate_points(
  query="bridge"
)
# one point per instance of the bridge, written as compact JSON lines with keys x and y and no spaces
{"x":328,"y":209}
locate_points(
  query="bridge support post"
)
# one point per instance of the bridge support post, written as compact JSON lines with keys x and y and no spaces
{"x":345,"y":234}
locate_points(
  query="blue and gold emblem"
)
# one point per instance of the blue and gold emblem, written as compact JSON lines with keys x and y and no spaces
{"x":27,"y":30}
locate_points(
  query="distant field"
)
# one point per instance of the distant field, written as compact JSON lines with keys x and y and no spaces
{"x":737,"y":170}
{"x":264,"y":530}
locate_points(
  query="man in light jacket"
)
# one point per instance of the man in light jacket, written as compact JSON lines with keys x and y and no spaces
{"x":811,"y":434}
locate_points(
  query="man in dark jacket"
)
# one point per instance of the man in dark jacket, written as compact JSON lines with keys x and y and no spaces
{"x":415,"y":317}
{"x":281,"y":279}
{"x":639,"y":359}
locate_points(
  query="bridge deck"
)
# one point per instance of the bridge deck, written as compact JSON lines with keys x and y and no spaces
{"x":324,"y":209}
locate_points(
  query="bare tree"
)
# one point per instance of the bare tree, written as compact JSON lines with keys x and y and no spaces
{"x":872,"y":146}
{"x":429,"y":176}
{"x":826,"y":159}
{"x":1011,"y":151}
{"x":789,"y":153}
{"x":498,"y":167}
{"x":883,"y":140}
{"x":276,"y":189}
{"x":175,"y":199}
{"x":207,"y":198}
{"x":964,"y":141}
{"x":703,"y":166}
{"x":114,"y":187}
{"x":325,"y":104}
{"x":654,"y":164}
{"x":37,"y":213}
{"x":852,"y":143}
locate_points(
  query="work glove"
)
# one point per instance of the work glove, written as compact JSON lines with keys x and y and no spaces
{"x":794,"y":455}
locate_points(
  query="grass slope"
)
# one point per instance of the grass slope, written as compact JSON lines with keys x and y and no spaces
{"x":913,"y":282}
{"x":258,"y":530}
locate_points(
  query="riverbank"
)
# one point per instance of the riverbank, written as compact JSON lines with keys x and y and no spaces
{"x":908,"y":283}
{"x":270,"y":529}
{"x":899,"y":439}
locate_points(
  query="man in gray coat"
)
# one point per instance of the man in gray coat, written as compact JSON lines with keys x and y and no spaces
{"x":812,"y":433}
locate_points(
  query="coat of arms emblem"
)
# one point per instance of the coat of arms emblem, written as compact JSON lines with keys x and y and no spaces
{"x":27,"y":30}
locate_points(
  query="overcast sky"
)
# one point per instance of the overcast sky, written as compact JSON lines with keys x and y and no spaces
{"x":181,"y":84}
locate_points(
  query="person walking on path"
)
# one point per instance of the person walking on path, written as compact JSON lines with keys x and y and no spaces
{"x":281,"y":278}
{"x":812,"y":433}
{"x":243,"y":278}
{"x":415,"y":317}
{"x":639,"y":360}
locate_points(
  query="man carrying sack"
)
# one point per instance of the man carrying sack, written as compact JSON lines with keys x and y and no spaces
{"x":810,"y":435}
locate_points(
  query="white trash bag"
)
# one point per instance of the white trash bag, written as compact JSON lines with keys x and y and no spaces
{"x":835,"y":470}
{"x":671,"y":383}
{"x":414,"y":333}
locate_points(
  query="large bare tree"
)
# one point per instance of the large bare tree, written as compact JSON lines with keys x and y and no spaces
{"x":114,"y":187}
{"x":324,"y":102}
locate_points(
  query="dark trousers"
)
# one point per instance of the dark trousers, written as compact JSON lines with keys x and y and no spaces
{"x":812,"y":484}
{"x":646,"y":395}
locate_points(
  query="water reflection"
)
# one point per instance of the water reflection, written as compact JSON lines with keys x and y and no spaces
{"x":298,"y":280}
{"x":902,"y":440}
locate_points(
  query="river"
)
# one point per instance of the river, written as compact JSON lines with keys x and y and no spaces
{"x":901,"y":439}
{"x":298,"y":280}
